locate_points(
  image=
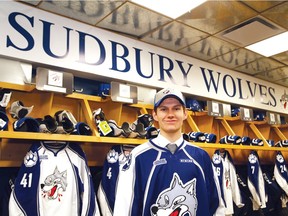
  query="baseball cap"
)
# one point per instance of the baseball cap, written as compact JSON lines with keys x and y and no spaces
{"x":168,"y":93}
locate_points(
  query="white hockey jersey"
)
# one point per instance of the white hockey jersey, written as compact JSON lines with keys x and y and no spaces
{"x":54,"y":180}
{"x":115,"y":160}
{"x":255,"y":181}
{"x":226,"y":172}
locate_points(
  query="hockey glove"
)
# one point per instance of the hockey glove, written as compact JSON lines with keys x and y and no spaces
{"x":18,"y":110}
{"x":66,"y":119}
{"x":210,"y":137}
{"x":47,"y":125}
{"x":197,"y":136}
{"x":27,"y":124}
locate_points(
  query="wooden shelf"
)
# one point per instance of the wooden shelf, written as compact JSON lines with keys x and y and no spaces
{"x":257,"y":122}
{"x":10,"y":163}
{"x":68,"y":137}
{"x":12,"y":86}
{"x":146,"y":106}
{"x":121,"y":140}
{"x":80,"y":96}
{"x":227,"y":118}
{"x":240,"y":147}
{"x":280,"y":126}
{"x":198,"y":113}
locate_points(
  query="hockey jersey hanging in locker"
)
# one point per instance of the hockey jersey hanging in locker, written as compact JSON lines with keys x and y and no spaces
{"x":115,"y":161}
{"x":255,"y":181}
{"x":281,"y":176}
{"x":54,"y":179}
{"x":226,"y":173}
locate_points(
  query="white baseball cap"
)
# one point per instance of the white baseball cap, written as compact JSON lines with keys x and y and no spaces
{"x":167,"y":93}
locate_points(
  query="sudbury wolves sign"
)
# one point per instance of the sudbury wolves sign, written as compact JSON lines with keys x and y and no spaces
{"x":33,"y":35}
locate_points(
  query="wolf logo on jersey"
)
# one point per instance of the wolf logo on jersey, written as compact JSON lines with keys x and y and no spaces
{"x":252,"y":159}
{"x":112,"y":156}
{"x":176,"y":200}
{"x":279,"y":157}
{"x":54,"y":185}
{"x":30,"y":159}
{"x":126,"y":166}
{"x":216,"y":158}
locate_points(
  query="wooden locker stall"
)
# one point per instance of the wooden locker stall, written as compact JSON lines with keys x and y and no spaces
{"x":14,"y":144}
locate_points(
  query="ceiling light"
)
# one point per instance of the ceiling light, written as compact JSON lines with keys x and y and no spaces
{"x":271,"y":46}
{"x":251,"y":31}
{"x":170,"y":8}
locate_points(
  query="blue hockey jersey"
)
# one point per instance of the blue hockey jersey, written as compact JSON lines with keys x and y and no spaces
{"x":255,"y":181}
{"x":246,"y":195}
{"x":156,"y":182}
{"x":54,"y":179}
{"x":115,"y":160}
{"x":280,"y":172}
{"x":281,"y":176}
{"x":273,"y":193}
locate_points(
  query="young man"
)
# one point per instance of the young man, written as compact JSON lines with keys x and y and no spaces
{"x":176,"y":182}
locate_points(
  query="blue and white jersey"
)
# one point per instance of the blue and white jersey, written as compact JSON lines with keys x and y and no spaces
{"x":156,"y":182}
{"x":226,"y":172}
{"x":255,"y":181}
{"x":246,"y":196}
{"x":273,"y":193}
{"x":115,"y":159}
{"x":280,"y":172}
{"x":54,"y":179}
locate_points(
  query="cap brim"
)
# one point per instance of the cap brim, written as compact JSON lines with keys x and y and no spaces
{"x":168,"y":96}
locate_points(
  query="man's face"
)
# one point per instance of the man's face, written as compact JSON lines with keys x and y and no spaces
{"x":170,"y":115}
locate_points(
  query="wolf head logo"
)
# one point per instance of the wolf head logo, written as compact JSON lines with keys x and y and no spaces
{"x":252,"y":159}
{"x":54,"y":185}
{"x":280,"y":158}
{"x":284,"y":100}
{"x":127,"y":164}
{"x":177,"y":200}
